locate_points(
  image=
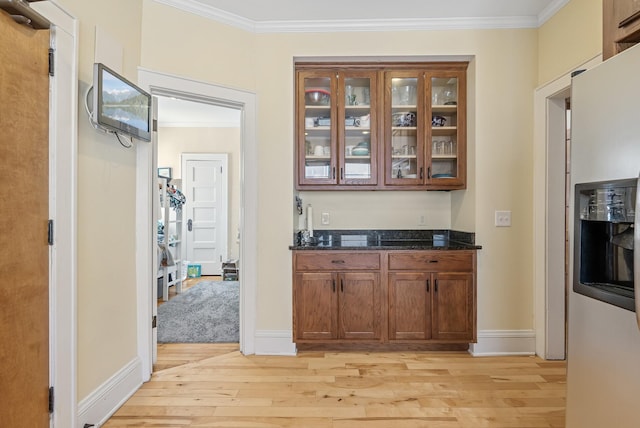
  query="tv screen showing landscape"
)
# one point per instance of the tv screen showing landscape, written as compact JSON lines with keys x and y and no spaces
{"x":122,"y":106}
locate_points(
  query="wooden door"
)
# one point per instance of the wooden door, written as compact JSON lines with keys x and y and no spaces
{"x":453,"y":316}
{"x":316,"y":306}
{"x":359,"y":305}
{"x":24,"y":253}
{"x":410,"y":306}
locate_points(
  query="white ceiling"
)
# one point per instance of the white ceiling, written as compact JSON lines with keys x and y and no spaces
{"x":176,"y":113}
{"x":344,"y":15}
{"x":371,"y":15}
{"x":313,"y":10}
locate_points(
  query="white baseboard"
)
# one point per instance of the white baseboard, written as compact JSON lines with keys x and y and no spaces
{"x":504,"y":342}
{"x":274,"y":342}
{"x":103,"y":402}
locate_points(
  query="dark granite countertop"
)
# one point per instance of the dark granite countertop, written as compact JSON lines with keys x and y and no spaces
{"x":387,"y":240}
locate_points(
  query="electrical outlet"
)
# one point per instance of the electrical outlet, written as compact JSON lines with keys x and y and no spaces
{"x":325,"y":219}
{"x":503,"y":218}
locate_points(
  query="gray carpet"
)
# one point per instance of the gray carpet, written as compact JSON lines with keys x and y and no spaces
{"x":205,"y":313}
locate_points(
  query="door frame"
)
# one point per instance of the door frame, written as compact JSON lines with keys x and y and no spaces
{"x":165,"y":84}
{"x":63,"y":174}
{"x":548,"y":248}
{"x":224,"y":158}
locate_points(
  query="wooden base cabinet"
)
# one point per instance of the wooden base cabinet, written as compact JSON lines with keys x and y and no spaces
{"x":432,"y":296}
{"x":425,"y":297}
{"x":332,"y":303}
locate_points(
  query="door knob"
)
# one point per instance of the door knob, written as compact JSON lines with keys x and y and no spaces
{"x":189,"y":225}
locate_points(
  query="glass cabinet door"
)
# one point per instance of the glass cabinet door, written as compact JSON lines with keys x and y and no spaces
{"x":357,"y":137}
{"x":404,"y":128}
{"x":316,"y":127}
{"x":445,"y":160}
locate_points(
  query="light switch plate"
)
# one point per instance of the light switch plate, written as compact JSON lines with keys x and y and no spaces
{"x":503,"y":218}
{"x":325,"y":219}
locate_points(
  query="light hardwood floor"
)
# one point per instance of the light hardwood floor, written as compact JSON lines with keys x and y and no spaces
{"x":350,"y":390}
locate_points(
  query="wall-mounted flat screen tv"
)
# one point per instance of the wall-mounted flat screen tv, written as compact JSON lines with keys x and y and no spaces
{"x":120,"y":106}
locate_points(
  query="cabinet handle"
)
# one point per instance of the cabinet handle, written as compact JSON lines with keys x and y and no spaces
{"x":334,"y":285}
{"x":341,"y":286}
{"x":341,"y":174}
{"x":427,"y":285}
{"x":429,"y":173}
{"x":334,"y":172}
{"x":338,"y":262}
{"x":433,"y":261}
{"x":436,"y":285}
{"x":421,"y":173}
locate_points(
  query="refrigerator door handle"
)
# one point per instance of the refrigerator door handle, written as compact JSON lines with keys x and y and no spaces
{"x":636,"y":253}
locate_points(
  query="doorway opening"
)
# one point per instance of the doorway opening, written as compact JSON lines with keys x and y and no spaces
{"x":160,"y":84}
{"x":198,"y":156}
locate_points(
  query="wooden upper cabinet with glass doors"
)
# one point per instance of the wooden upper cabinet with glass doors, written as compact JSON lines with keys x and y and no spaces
{"x":336,"y":128}
{"x":417,"y":109}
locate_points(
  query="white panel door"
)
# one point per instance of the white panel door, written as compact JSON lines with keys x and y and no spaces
{"x":205,"y":182}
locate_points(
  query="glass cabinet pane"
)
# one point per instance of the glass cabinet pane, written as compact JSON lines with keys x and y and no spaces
{"x":357,"y":148}
{"x":444,"y":127}
{"x":404,"y":128}
{"x":317,"y":128}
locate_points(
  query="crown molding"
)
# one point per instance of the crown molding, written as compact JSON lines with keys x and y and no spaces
{"x":213,"y":13}
{"x":359,"y":25}
{"x":551,"y":10}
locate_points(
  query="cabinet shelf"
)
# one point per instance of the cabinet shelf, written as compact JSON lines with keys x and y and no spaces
{"x":404,"y":157}
{"x":444,"y":108}
{"x":443,"y":130}
{"x":404,"y":107}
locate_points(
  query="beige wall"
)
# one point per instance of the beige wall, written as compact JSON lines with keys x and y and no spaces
{"x":106,"y":208}
{"x":172,"y":142}
{"x":570,"y":38}
{"x":503,"y":76}
{"x":506,"y":66}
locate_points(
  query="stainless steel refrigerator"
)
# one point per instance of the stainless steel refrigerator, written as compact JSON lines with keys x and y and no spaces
{"x":603,"y":360}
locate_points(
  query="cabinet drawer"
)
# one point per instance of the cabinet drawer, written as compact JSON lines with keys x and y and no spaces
{"x":432,"y":261}
{"x":332,"y":260}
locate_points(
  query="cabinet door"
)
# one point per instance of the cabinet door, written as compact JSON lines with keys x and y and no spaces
{"x":315,"y":306}
{"x":446,"y":137}
{"x":316,"y":131}
{"x":453,"y":303}
{"x":404,"y":125}
{"x":357,"y":139}
{"x":409,"y":306}
{"x":359,"y":305}
{"x":620,"y":26}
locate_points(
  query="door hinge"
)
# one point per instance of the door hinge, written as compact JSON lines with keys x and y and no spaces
{"x":50,"y":399}
{"x":50,"y":232}
{"x":51,"y":61}
{"x":154,"y":321}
